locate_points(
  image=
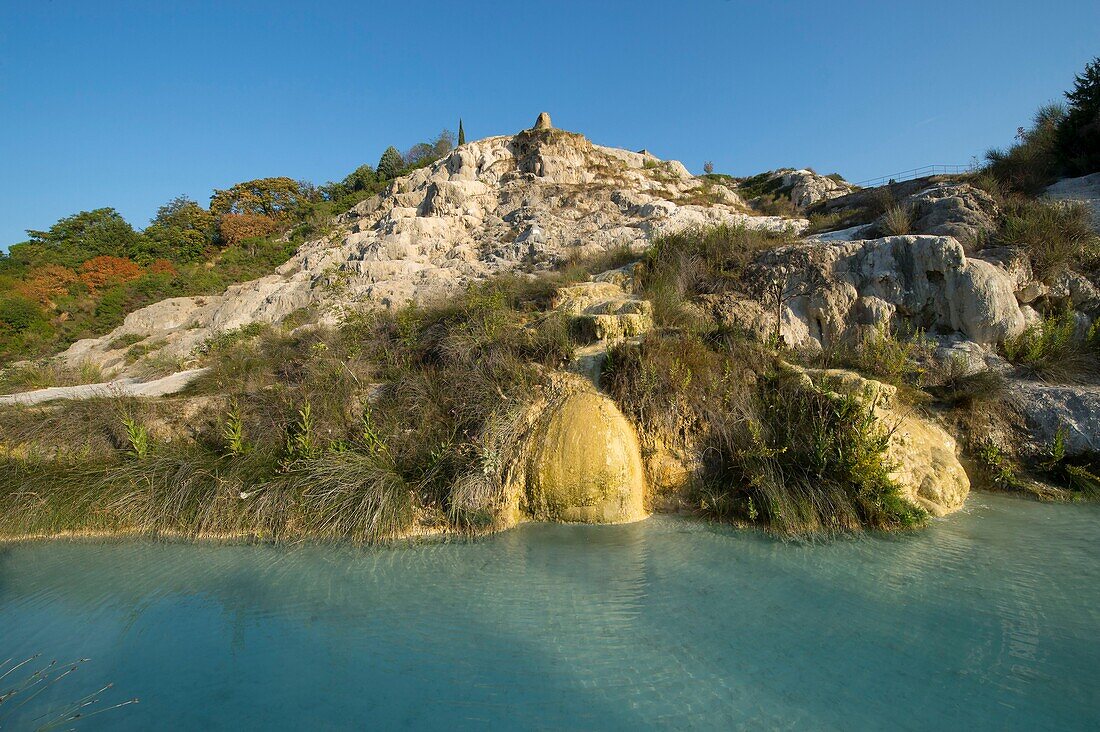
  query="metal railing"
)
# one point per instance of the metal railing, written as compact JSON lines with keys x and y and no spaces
{"x":920,"y":172}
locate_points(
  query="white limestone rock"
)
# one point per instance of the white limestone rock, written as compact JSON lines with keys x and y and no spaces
{"x":841,"y":288}
{"x":491,"y":206}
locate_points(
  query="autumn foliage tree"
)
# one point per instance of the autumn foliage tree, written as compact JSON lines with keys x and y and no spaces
{"x":255,"y":208}
{"x":44,"y":284}
{"x":105,"y":270}
{"x":236,"y":228}
{"x":261,"y":197}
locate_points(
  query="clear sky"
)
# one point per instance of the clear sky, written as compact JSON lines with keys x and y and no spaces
{"x":128,"y":104}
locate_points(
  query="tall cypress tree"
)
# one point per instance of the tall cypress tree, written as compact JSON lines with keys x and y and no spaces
{"x":461,"y":133}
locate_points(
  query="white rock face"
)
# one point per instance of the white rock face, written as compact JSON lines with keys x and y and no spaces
{"x":1047,"y":409}
{"x":171,"y":384}
{"x":806,"y":187}
{"x":489,"y":206}
{"x":840,"y":290}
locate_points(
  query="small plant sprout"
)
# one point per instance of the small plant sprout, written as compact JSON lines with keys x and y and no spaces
{"x":138,"y":438}
{"x":233,"y":432}
{"x":301,"y":443}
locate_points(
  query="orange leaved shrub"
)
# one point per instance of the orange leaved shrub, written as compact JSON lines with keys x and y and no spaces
{"x":163,"y":266}
{"x":107,"y":270}
{"x":235,"y":228}
{"x":43,"y":284}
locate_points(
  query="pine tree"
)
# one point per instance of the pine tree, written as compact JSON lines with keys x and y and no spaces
{"x":391,"y":163}
{"x":1079,"y":133}
{"x":461,"y":133}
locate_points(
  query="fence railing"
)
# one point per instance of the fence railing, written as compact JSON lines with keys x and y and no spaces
{"x":920,"y":172}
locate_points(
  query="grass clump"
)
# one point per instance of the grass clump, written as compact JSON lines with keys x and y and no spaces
{"x":1057,"y":350}
{"x":356,"y":432}
{"x":1056,"y":235}
{"x":806,"y":461}
{"x":45,"y":374}
{"x":887,"y":354}
{"x":680,"y":267}
{"x":898,"y":220}
{"x":777,"y":451}
{"x":958,"y":387}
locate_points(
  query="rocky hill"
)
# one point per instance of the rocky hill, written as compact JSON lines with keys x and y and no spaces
{"x":511,"y":203}
{"x":695,"y":355}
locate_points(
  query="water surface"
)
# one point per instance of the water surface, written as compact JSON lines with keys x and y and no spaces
{"x":988,"y":620}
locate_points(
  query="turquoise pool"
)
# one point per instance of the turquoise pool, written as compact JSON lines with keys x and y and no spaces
{"x":988,"y":620}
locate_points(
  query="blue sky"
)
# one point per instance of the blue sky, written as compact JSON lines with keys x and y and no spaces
{"x":130,"y":104}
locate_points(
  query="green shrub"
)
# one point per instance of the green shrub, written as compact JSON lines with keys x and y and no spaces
{"x":1078,"y":143}
{"x":821,"y":222}
{"x":1030,"y":165}
{"x":791,"y":458}
{"x":1055,"y":350}
{"x":802,"y":461}
{"x":887,"y":355}
{"x":1056,"y":235}
{"x":999,"y":468}
{"x":1082,"y":476}
{"x":138,"y":438}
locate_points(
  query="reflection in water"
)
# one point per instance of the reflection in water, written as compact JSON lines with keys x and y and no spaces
{"x":989,"y":620}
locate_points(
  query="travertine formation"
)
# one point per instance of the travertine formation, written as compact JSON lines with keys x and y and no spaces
{"x":524,"y":201}
{"x":835,"y":293}
{"x":923,"y":455}
{"x":805,"y":187}
{"x":582,"y":462}
{"x":567,"y":455}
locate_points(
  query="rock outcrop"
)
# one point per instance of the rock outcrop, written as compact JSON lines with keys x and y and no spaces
{"x":583,"y":462}
{"x":950,"y":209}
{"x":834,"y":293}
{"x":569,"y":455}
{"x":805,"y":187}
{"x":936,"y":207}
{"x":924,"y":456}
{"x":490,"y":206}
{"x":1047,"y":409}
{"x":602,"y":310}
{"x":1085,"y":189}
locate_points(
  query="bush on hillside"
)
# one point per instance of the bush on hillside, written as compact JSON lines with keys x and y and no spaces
{"x":1056,"y":235}
{"x":776,"y":452}
{"x":1078,"y":141}
{"x":1062,"y":141}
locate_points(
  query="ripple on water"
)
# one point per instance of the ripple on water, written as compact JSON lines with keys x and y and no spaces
{"x":988,"y":620}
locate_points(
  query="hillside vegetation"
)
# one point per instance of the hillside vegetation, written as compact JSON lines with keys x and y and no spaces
{"x":769,"y":379}
{"x":83,"y":275}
